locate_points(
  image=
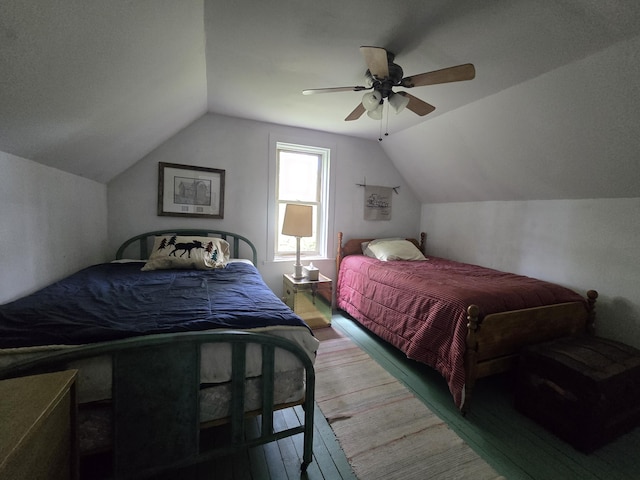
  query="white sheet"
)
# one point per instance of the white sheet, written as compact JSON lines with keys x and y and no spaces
{"x":94,"y":377}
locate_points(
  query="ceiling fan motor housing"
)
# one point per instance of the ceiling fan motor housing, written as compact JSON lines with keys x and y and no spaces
{"x":385,"y":85}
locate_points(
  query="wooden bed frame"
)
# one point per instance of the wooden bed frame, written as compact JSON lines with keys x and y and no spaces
{"x":493,"y":343}
{"x":156,"y":385}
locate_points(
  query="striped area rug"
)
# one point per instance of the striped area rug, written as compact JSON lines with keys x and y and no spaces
{"x":385,"y":432}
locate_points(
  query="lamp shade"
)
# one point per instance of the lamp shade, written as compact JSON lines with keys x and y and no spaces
{"x":371,"y":100}
{"x":298,"y":220}
{"x":376,"y":114}
{"x":398,"y":102}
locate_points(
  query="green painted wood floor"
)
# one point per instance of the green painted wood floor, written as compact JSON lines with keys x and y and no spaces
{"x":281,"y":460}
{"x":514,"y":445}
{"x":278,"y":460}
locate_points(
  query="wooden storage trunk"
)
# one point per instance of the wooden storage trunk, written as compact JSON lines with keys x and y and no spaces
{"x":584,"y":389}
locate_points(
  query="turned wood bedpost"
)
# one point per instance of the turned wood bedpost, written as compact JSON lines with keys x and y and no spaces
{"x":423,"y":242}
{"x":592,"y":296}
{"x":339,"y":253}
{"x":470,"y":362}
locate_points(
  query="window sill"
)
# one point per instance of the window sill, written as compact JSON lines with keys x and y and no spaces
{"x":303,"y":258}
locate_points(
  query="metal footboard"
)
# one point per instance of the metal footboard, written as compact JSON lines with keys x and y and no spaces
{"x":156,"y":402}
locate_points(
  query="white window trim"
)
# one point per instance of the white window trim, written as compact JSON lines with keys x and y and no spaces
{"x":326,"y":242}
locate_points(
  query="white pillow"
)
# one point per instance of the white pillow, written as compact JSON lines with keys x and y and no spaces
{"x":199,"y":253}
{"x":364,"y":245}
{"x":393,"y":249}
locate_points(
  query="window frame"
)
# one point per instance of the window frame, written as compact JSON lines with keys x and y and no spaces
{"x":325,"y":209}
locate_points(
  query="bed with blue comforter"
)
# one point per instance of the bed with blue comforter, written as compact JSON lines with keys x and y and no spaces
{"x":167,"y":350}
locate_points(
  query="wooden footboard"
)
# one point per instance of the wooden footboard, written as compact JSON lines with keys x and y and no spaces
{"x":156,"y":396}
{"x":493,"y":344}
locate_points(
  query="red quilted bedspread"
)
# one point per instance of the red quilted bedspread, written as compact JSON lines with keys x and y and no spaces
{"x":420,"y":306}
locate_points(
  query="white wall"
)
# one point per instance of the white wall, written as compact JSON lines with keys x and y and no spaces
{"x":52,"y":224}
{"x":573,"y":132}
{"x":241,"y":148}
{"x":582,"y":244}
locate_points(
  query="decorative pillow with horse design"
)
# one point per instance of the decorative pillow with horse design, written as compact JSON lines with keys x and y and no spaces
{"x":199,"y":253}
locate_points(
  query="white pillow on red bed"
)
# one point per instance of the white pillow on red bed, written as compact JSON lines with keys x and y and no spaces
{"x":393,"y":249}
{"x":198,"y":253}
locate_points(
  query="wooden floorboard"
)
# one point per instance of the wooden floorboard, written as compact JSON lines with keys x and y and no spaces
{"x":514,"y":445}
{"x":280,"y":460}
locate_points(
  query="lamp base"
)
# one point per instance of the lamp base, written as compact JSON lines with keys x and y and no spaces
{"x":297,"y":272}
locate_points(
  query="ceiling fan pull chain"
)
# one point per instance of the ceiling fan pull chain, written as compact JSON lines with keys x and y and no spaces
{"x":386,"y":129}
{"x":386,"y":133}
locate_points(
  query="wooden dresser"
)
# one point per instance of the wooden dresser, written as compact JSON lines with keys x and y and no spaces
{"x":38,"y":427}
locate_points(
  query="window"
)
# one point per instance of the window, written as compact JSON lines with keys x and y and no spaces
{"x":302,"y":175}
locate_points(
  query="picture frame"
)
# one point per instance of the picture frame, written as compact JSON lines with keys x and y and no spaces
{"x":190,"y":191}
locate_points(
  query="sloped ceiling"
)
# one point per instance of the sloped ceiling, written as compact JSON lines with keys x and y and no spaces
{"x":91,"y":86}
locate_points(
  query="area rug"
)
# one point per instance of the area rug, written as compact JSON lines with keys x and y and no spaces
{"x":386,"y":432}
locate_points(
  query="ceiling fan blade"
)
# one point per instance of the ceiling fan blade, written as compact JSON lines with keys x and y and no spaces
{"x":377,"y":61}
{"x":417,"y":106}
{"x":356,"y":114}
{"x":451,"y":74}
{"x":356,"y":88}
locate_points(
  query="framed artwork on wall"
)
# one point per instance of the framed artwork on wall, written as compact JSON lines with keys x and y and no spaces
{"x":190,"y":191}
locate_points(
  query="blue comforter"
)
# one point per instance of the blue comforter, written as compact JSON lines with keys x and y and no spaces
{"x":116,"y":300}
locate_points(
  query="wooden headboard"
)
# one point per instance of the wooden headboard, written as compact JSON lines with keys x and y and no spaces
{"x":354,"y":246}
{"x":246,"y":249}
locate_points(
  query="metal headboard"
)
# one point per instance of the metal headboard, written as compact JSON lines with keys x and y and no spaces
{"x":237,"y":243}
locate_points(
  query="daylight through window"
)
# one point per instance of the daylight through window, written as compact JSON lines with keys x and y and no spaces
{"x":302,"y":174}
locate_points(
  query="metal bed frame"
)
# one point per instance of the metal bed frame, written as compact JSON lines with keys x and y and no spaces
{"x":155,"y":397}
{"x":145,"y":241}
{"x":156,"y":384}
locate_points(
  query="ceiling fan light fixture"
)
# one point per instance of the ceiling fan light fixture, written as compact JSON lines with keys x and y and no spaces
{"x":398,"y":102}
{"x":371,"y":100}
{"x":383,"y":74}
{"x":376,"y":113}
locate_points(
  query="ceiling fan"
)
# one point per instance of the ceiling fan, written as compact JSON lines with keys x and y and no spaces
{"x":383,"y":75}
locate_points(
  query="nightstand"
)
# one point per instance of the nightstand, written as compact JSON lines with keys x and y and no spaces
{"x":310,"y":299}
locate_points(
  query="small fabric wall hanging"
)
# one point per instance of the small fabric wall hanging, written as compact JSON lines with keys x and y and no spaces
{"x":377,"y":202}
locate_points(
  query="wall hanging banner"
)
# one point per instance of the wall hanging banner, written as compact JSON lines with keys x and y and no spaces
{"x":377,"y":202}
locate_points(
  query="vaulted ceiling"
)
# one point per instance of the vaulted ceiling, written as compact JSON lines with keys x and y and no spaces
{"x":91,"y":86}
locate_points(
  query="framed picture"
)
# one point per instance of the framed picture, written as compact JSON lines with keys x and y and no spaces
{"x":187,"y":191}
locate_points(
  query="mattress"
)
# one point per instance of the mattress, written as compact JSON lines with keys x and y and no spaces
{"x":94,"y":374}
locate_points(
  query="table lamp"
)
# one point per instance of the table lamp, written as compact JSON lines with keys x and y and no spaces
{"x":298,"y":222}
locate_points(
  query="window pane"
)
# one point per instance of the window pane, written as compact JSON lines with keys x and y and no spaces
{"x":300,"y":171}
{"x":298,"y":176}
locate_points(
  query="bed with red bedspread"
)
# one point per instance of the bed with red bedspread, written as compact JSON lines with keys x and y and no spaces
{"x":465,"y":321}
